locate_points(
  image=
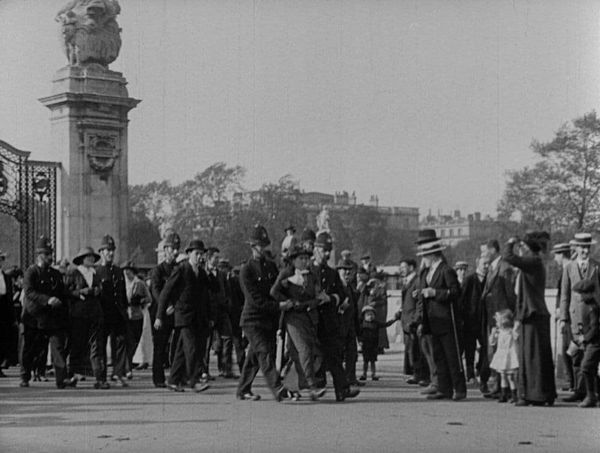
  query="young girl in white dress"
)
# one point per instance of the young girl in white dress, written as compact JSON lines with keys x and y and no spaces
{"x":505,"y":361}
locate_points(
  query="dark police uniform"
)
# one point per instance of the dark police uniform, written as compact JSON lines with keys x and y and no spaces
{"x":43,"y":322}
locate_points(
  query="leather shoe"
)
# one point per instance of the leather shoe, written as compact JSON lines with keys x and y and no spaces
{"x":459,"y":396}
{"x":588,"y":402}
{"x":438,"y":396}
{"x":411,"y":380}
{"x":176,"y":388}
{"x":283,"y":394}
{"x":101,"y":385}
{"x":424,"y":383}
{"x":575,"y":397}
{"x":495,"y":395}
{"x":248,"y":397}
{"x":200,"y":387}
{"x":432,"y":389}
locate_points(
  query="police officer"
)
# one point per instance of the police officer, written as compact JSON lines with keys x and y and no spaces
{"x":329,"y":327}
{"x":160,"y":337}
{"x":45,"y":316}
{"x":260,"y":318}
{"x":113,"y":299}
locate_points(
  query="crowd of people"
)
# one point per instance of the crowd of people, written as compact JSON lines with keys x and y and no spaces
{"x":321,"y":317}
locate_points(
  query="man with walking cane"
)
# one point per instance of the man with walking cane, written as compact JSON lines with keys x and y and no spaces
{"x":436,"y":315}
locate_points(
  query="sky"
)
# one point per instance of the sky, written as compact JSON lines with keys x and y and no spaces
{"x":424,"y":103}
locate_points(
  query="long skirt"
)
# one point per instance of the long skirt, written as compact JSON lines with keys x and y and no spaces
{"x":143,"y":353}
{"x":536,"y":367}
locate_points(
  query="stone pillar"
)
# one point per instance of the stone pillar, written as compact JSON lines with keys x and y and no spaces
{"x":89,"y":106}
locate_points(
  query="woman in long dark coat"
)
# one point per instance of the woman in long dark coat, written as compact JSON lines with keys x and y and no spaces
{"x":536,"y":371}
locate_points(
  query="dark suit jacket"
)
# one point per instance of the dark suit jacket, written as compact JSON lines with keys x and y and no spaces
{"x":7,"y":312}
{"x":409,"y":305}
{"x":158,"y":279}
{"x":113,"y":296}
{"x":436,"y":313}
{"x":218,"y":292}
{"x":472,"y":310}
{"x":39,"y":286}
{"x":257,"y":277}
{"x":82,"y":306}
{"x":189,"y":292}
{"x":499,"y":291}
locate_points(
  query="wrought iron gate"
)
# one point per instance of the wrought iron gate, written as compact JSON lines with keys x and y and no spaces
{"x":28,"y":192}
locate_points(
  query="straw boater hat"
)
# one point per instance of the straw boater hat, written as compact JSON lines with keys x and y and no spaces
{"x":461,"y":265}
{"x":582,"y":239}
{"x":428,"y":243}
{"x":367,"y":308}
{"x":562,"y":247}
{"x":83,"y":252}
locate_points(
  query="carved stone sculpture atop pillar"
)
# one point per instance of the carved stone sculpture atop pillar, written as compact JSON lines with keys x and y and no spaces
{"x":90,"y":105}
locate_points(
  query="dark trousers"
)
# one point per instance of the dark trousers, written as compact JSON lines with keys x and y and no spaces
{"x":567,"y":360}
{"x":239,"y":344}
{"x":134,"y":333}
{"x":426,"y":343}
{"x":445,"y":355}
{"x":350,"y":356}
{"x":117,"y":332}
{"x":85,"y":345}
{"x":577,"y":361}
{"x":160,"y":349}
{"x":33,"y":341}
{"x":185,"y":363}
{"x":332,"y":347}
{"x":225,"y":350}
{"x":470,"y":339}
{"x":260,"y":355}
{"x":415,"y":363}
{"x":589,"y":368}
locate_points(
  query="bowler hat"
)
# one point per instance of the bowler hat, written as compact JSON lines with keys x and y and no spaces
{"x":107,"y":243}
{"x":195,"y":244}
{"x":259,"y":236}
{"x":83,"y":252}
{"x":324,"y":240}
{"x":296,"y":251}
{"x":426,"y":236}
{"x":583,"y":239}
{"x":308,"y":235}
{"x":172,"y":240}
{"x":43,"y":245}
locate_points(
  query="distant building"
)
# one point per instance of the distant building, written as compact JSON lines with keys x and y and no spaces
{"x":455,"y":228}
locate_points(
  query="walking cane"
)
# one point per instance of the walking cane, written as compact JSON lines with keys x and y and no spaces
{"x":207,"y":350}
{"x":281,"y":330}
{"x":455,"y":332}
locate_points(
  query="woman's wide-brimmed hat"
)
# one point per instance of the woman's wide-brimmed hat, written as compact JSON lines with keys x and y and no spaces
{"x":536,"y":240}
{"x":83,"y":252}
{"x":582,"y":239}
{"x":129,"y":265}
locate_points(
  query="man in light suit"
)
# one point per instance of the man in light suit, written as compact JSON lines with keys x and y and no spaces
{"x":582,"y":267}
{"x":498,"y":294}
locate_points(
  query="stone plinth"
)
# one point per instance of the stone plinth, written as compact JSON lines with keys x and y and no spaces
{"x":89,"y":107}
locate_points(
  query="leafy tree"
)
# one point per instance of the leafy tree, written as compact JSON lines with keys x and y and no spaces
{"x":562,"y":189}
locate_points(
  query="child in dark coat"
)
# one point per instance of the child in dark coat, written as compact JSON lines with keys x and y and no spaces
{"x":369,"y":338}
{"x":589,"y":338}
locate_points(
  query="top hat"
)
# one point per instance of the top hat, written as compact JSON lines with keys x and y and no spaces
{"x":562,"y":247}
{"x":430,"y":247}
{"x":583,"y":239}
{"x":425,"y":236}
{"x":259,"y":236}
{"x":43,"y":245}
{"x":83,"y":252}
{"x":324,"y":240}
{"x":290,"y":227}
{"x":537,"y":240}
{"x":107,"y":243}
{"x":172,"y":240}
{"x":308,"y":235}
{"x":461,"y":265}
{"x":195,"y":244}
{"x":128,"y":265}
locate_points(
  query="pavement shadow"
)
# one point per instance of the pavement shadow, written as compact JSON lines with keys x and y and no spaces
{"x":50,"y":421}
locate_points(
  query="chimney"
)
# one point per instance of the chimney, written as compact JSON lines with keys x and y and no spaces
{"x":478,"y":217}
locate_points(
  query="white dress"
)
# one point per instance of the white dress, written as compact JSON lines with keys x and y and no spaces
{"x":505,"y":359}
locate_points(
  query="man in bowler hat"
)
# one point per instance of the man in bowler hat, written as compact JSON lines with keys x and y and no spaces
{"x":45,"y":316}
{"x":187,"y":288}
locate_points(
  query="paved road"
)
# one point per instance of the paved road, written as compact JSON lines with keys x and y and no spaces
{"x":388,"y":416}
